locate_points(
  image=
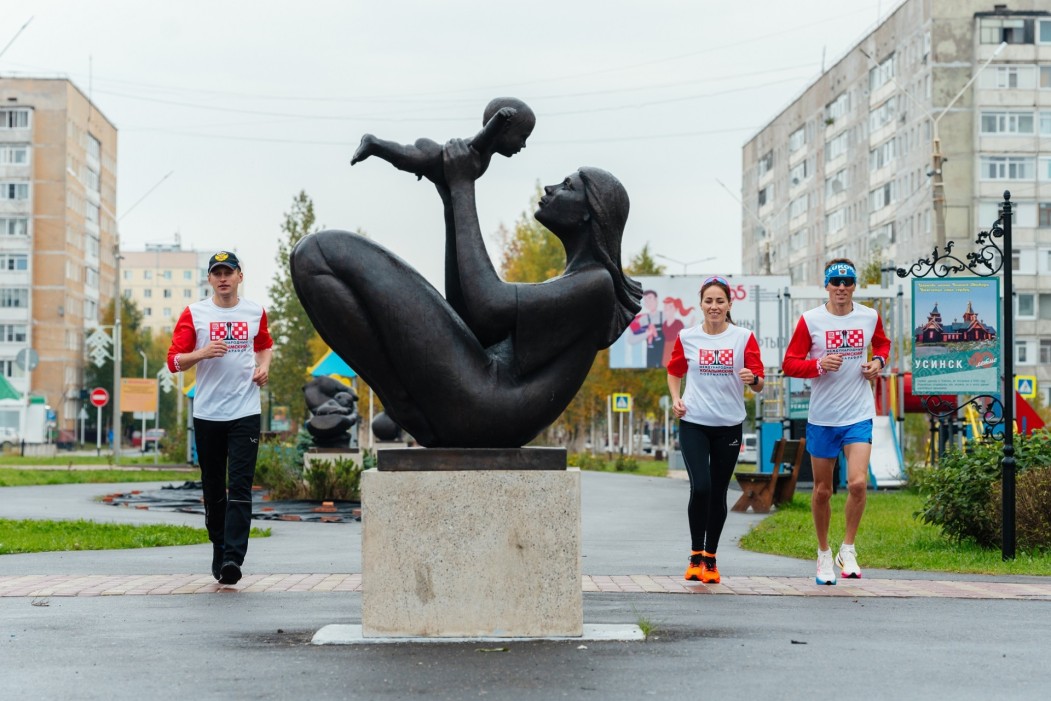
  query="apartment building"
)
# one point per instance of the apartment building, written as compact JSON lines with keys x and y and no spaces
{"x":909,"y":141}
{"x":58,"y":236}
{"x":162,"y":281}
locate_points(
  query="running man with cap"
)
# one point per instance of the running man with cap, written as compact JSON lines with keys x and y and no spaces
{"x":227,"y":338}
{"x":831,"y":346}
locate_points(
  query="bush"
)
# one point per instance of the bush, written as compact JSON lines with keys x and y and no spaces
{"x":960,"y":493}
{"x":338,"y":479}
{"x":625,"y":463}
{"x":276,"y":471}
{"x":1032,"y":509}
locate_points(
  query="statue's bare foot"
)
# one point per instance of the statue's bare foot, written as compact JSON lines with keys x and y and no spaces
{"x":365,"y":149}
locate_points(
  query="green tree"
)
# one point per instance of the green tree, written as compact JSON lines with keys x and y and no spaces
{"x":290,"y":326}
{"x":642,"y":263}
{"x":133,"y":339}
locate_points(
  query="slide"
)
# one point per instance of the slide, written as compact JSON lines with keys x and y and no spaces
{"x":886,"y":466}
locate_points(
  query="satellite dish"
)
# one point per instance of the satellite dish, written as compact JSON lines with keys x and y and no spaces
{"x":27,"y":359}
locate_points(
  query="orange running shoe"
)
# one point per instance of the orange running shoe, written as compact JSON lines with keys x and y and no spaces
{"x":709,"y":571}
{"x":694,"y":569}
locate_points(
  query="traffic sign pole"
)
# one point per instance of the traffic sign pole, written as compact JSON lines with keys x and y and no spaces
{"x":98,"y":432}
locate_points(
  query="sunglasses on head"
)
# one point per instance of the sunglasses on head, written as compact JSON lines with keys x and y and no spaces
{"x":841,"y":281}
{"x":715,"y":278}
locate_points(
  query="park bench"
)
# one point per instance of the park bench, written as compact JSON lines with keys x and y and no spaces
{"x":761,"y":490}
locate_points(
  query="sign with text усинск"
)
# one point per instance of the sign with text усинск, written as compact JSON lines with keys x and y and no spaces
{"x":956,"y":344}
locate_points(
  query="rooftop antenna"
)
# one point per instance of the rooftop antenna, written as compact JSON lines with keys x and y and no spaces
{"x":8,"y":45}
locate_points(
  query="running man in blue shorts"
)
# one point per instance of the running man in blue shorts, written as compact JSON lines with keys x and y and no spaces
{"x":831,"y":345}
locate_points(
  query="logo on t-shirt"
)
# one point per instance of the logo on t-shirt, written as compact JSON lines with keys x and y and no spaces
{"x":846,"y":342}
{"x":235,"y":333}
{"x":718,"y":361}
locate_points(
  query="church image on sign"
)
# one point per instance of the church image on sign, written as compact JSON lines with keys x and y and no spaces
{"x":935,"y":331}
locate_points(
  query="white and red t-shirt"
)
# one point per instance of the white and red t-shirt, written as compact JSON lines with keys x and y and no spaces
{"x":714,"y":393}
{"x":843,"y":397}
{"x":224,"y":389}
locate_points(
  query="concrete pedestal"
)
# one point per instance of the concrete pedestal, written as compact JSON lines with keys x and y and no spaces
{"x":471,"y":553}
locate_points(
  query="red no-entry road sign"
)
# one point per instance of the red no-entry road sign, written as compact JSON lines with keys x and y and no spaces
{"x":99,"y":397}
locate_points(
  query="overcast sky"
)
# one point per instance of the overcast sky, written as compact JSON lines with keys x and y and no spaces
{"x":246,"y":103}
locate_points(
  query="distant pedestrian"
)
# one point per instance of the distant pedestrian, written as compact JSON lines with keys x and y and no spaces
{"x":718,"y":359}
{"x":227,"y":338}
{"x":831,"y":346}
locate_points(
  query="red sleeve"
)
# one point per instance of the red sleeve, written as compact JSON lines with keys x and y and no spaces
{"x":880,"y":342}
{"x":753,"y":357}
{"x":796,"y":363}
{"x":184,"y":338}
{"x":263,"y":339}
{"x":677,"y":363}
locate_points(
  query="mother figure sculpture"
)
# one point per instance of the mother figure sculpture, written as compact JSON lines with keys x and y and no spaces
{"x":497,"y":362}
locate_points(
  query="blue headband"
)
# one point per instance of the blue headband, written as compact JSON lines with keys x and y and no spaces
{"x":840,"y":270}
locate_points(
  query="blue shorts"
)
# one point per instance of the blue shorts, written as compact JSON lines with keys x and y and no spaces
{"x":828,"y":441}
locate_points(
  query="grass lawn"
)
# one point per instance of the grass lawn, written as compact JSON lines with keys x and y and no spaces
{"x":104,"y":460}
{"x":890,"y":538}
{"x":646,"y":467}
{"x":48,"y":536}
{"x":16,"y":477}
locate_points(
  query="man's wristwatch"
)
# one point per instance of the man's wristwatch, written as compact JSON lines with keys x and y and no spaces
{"x":755,"y":381}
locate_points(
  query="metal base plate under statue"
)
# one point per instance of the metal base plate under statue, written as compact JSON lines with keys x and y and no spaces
{"x":491,"y":552}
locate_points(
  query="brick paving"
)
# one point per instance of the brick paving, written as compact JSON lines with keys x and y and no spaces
{"x":40,"y":586}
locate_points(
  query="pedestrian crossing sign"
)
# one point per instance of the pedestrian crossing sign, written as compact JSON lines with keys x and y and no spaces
{"x":1025,"y":385}
{"x":621,"y":401}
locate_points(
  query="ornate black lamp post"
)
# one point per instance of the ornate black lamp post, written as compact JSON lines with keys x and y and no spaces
{"x":986,"y":261}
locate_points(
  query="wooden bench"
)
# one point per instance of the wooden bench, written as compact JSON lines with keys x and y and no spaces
{"x":761,"y":490}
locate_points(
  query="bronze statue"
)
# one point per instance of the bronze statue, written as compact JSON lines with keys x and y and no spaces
{"x":496,"y":362}
{"x":333,"y":409}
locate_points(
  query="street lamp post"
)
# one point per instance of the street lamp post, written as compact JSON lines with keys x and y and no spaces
{"x":142,"y":438}
{"x":684,"y":265}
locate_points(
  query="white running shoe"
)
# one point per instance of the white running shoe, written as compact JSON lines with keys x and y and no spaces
{"x":826,"y":572}
{"x":847,"y":560}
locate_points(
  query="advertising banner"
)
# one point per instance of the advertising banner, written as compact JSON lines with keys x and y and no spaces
{"x":672,"y":303}
{"x":956,"y":346}
{"x":138,"y":394}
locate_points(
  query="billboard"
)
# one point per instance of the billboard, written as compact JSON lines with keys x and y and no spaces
{"x":961,"y":356}
{"x":671,"y":303}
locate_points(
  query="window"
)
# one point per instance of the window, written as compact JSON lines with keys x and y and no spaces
{"x":14,"y":119}
{"x":1008,"y":77}
{"x":167,"y":293}
{"x":883,"y":196}
{"x":1044,"y":306}
{"x":800,"y":172}
{"x":1045,"y":351}
{"x":836,"y":147}
{"x":147,"y":274}
{"x":167,"y":312}
{"x":1007,"y":122}
{"x":1044,"y":32}
{"x":14,"y":155}
{"x":1045,"y":124}
{"x":14,"y":297}
{"x":1007,"y":168}
{"x":1021,"y":354}
{"x":167,"y":275}
{"x":836,"y":221}
{"x":147,"y":311}
{"x":798,"y":206}
{"x":836,"y":184}
{"x":1044,"y":214}
{"x":840,"y":107}
{"x":879,"y":75}
{"x":797,"y":139}
{"x":187,"y":294}
{"x":91,"y":180}
{"x":882,"y":235}
{"x":12,"y":333}
{"x":1044,"y":170}
{"x":187,"y":275}
{"x":147,"y":293}
{"x":798,"y":240}
{"x":14,"y":226}
{"x":883,"y":154}
{"x":762,"y":197}
{"x":1025,"y":305}
{"x":883,"y":115}
{"x":94,"y":147}
{"x":766,"y":163}
{"x":1045,"y":77}
{"x":14,"y":262}
{"x":14,"y":191}
{"x":996,"y":30}
{"x":127,"y":274}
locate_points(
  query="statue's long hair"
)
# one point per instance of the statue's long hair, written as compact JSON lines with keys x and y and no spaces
{"x":608,"y":205}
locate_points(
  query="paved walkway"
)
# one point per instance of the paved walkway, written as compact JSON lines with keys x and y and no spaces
{"x":40,"y":586}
